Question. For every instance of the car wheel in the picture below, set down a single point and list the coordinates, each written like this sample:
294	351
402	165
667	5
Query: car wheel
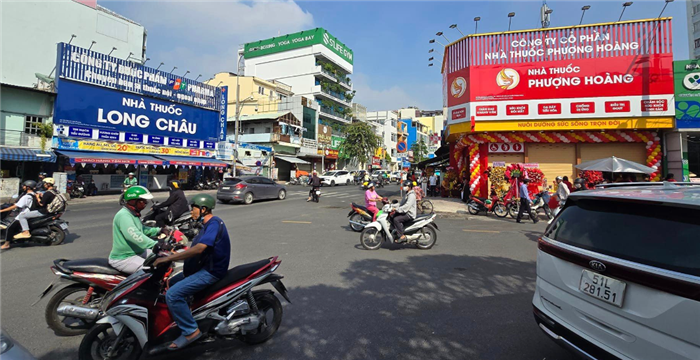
248	198
347	182
282	195
332	182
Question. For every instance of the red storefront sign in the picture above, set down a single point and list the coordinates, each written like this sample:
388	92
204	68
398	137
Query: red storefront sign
521	109
459	113
587	107
376	161
487	110
458	90
654	105
617	106
548	109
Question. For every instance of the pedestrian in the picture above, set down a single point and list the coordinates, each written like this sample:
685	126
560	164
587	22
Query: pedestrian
424	183
669	178
433	184
562	191
466	191
568	183
525	203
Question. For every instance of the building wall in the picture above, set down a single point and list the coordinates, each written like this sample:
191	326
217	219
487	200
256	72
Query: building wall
31	30
693	16
389	129
253	102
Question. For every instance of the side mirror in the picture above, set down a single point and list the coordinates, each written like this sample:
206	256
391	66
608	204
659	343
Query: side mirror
394	201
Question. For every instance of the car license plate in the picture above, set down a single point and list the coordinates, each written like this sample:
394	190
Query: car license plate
226	188
63	226
602	287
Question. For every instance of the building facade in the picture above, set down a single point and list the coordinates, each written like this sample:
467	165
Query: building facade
387	120
501	107
28	91
693	16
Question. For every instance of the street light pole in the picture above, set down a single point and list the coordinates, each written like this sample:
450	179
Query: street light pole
454	26
476	24
583	9
236	124
624	6
510	19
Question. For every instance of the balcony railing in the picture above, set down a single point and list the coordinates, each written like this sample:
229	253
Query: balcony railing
270	138
328	111
19	138
337	96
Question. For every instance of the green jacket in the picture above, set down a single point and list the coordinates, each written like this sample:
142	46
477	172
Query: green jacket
129	236
131	182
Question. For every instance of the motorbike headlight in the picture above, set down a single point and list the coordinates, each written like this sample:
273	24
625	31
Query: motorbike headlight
5	344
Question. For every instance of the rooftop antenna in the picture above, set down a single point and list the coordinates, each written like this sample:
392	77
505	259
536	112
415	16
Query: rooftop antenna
545	13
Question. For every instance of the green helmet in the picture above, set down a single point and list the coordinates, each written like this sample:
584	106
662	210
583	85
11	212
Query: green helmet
137	192
203	200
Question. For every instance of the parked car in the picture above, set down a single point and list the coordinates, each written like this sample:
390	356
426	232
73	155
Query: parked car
377	173
395	176
336	177
618	274
247	189
11	350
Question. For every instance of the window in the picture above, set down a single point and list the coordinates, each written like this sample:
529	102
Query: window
696	9
247	153
696	26
631	231
697	43
393	137
393	123
267	181
272	95
251	130
253	181
281	97
393	152
268	130
261	90
32	124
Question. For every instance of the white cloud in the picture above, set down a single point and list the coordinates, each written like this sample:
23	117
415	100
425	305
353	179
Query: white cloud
203	37
424	96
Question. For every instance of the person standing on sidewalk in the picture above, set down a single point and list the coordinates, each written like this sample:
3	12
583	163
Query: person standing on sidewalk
562	191
525	202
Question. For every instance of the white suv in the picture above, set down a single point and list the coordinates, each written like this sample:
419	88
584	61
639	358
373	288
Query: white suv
336	177
618	273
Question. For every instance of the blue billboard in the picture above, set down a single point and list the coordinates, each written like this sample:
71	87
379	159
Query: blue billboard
79	64
111	111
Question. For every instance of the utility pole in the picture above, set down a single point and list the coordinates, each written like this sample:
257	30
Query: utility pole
238	114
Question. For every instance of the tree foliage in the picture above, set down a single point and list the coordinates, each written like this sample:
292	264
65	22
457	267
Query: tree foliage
360	141
420	151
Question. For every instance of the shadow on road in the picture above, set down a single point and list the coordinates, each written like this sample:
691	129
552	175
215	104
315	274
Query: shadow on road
441	307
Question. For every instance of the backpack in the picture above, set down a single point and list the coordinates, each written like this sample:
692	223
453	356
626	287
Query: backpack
58	204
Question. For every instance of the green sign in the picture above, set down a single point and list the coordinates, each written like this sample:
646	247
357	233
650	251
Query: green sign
335	142
686	77
296	41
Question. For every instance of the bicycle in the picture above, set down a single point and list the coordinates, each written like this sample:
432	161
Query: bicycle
425	206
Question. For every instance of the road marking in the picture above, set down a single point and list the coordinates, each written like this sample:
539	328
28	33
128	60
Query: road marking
296	222
481	231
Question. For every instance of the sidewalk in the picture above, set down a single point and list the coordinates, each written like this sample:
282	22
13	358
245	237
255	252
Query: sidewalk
448	205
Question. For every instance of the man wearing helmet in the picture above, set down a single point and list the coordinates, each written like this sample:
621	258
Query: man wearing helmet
39	188
130	180
131	242
175	206
315	183
406	211
206	262
27	203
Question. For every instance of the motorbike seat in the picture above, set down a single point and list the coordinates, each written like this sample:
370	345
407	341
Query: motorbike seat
40	219
360	207
183	217
482	199
418	218
92	265
232	276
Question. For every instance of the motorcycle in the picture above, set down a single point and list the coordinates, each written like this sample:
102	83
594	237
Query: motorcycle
360	216
47	229
421	232
122	202
77	190
74	309
479	204
538	203
315	194
137	318
184	223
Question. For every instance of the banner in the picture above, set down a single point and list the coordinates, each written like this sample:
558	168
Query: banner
103	146
111	110
79	64
324	134
687	89
298	40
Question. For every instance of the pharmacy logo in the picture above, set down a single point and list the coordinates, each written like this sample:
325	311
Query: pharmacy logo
458	87
508	79
178	84
692	81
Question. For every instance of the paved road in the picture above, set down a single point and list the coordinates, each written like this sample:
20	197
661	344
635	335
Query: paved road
467	298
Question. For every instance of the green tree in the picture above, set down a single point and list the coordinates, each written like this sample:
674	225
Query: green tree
46	132
420	151
360	141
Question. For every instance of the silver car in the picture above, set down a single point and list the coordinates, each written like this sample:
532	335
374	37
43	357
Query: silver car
11	350
248	189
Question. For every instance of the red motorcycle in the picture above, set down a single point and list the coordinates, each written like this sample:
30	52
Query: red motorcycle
479	204
136	316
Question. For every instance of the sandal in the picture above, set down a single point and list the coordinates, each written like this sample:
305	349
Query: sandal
400	240
182	342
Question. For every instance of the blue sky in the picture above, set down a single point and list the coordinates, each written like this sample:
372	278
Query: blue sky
389	39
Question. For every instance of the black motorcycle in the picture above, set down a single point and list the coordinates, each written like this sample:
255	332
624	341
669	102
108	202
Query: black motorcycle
77	190
48	229
184	223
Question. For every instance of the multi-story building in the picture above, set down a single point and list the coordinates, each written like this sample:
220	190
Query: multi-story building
693	16
28	70
359	112
387	121
434	124
314	63
257	95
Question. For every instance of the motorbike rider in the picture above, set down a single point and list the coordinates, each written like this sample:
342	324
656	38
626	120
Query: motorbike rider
131	242
26	203
130	180
207	262
525	203
406	211
371	197
175	206
39	188
315	183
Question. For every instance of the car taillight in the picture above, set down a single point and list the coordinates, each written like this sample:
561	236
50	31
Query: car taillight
240	186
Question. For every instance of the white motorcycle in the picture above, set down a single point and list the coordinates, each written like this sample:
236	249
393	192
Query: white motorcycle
421	232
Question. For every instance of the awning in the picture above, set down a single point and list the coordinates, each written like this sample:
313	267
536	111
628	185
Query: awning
94	157
23	154
192	161
291	159
436	161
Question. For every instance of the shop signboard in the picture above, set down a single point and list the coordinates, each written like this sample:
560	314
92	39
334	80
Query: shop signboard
113	111
82	65
506	148
686	76
336	141
114	147
318	36
595	71
324	134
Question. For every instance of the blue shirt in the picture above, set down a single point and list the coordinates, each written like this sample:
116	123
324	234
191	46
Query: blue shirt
215	259
524	194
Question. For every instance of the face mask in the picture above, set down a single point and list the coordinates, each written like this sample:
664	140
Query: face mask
405	188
